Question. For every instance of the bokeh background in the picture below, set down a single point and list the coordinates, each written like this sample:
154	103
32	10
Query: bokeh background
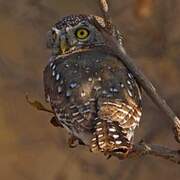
30	148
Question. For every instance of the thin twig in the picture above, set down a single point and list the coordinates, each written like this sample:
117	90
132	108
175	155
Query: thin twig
140	77
38	105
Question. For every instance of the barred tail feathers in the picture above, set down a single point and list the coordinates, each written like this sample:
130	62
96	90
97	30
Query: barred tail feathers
115	127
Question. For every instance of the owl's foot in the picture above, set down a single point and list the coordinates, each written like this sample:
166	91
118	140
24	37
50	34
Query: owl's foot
55	122
73	142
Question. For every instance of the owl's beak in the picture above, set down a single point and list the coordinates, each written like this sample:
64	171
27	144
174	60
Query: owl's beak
64	46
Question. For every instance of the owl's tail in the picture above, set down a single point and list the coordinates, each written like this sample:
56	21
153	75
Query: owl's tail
109	137
114	130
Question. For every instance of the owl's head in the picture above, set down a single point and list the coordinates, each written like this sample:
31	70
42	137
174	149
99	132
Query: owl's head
76	33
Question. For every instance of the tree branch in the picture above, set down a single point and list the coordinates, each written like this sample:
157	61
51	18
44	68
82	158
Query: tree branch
142	149
138	150
140	77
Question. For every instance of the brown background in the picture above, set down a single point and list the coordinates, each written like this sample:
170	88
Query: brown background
30	148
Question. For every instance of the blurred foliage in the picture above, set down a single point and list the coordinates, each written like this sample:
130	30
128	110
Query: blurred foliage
30	147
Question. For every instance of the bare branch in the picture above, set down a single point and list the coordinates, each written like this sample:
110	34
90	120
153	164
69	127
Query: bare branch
142	149
140	77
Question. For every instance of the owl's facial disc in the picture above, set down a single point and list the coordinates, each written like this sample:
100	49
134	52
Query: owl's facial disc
74	39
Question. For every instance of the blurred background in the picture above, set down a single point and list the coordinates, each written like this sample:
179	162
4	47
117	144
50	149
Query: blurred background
30	148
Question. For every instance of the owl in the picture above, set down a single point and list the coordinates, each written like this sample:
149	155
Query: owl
92	94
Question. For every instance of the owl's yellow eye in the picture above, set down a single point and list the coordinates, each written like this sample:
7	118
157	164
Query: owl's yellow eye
82	33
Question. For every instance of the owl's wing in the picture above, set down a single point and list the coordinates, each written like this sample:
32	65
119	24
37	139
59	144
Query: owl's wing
118	116
67	94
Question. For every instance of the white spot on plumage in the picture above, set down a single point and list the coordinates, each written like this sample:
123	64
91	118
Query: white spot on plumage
118	142
86	111
54	67
115	136
75	114
80	120
101	143
122	85
99	79
97	60
128	82
104	92
68	93
137	119
90	79
51	64
48	98
130	75
73	84
93	145
112	129
99	123
87	103
112	142
67	65
53	73
113	90
100	135
83	94
92	100
57	77
72	107
139	112
59	89
97	88
99	129
93	139
130	93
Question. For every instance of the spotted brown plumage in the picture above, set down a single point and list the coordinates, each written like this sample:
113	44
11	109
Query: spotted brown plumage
91	92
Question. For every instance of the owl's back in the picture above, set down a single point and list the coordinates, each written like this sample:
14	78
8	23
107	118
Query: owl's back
90	88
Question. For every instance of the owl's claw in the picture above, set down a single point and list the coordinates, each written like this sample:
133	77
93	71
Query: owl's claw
71	142
55	122
108	156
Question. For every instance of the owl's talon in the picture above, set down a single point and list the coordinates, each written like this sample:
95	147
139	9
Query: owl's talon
71	142
81	143
108	157
55	122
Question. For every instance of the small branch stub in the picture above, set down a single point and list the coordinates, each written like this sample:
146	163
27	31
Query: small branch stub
104	5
